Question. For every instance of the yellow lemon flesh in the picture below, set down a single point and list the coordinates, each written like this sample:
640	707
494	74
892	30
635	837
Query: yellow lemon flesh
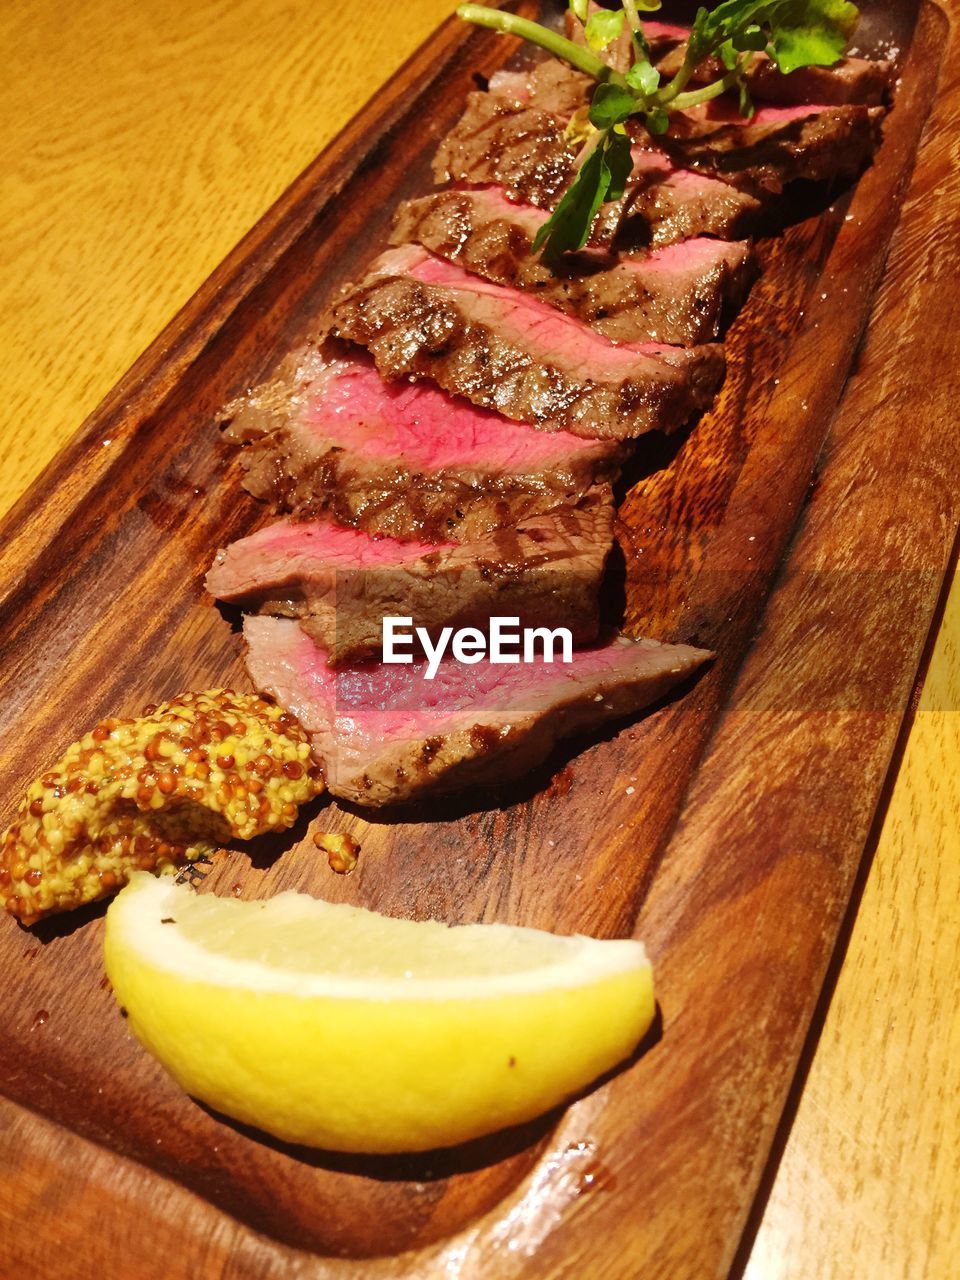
339	1028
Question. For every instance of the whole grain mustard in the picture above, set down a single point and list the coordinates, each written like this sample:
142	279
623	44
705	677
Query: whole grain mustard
153	792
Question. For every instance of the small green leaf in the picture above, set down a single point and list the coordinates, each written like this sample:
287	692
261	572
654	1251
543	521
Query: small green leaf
799	33
657	121
569	225
811	32
750	39
603	27
648	6
603	176
619	161
701	39
580	9
610	105
728	54
644	77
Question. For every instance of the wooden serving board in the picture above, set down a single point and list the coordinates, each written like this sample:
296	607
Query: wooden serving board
802	530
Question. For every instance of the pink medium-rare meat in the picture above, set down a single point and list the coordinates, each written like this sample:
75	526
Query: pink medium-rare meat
342	583
385	734
423	317
678	294
402	458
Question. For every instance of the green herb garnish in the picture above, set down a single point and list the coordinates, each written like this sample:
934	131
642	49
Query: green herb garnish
793	33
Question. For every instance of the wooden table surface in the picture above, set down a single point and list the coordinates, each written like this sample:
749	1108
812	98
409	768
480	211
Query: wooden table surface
141	140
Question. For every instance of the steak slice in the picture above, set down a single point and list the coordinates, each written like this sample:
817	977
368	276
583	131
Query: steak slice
504	140
402	458
778	145
550	85
851	80
385	734
507	351
669	204
514	136
343	583
675	295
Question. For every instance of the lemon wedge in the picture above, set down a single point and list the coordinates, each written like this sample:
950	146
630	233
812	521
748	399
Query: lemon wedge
336	1027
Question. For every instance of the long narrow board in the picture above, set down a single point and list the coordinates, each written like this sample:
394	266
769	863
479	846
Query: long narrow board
726	827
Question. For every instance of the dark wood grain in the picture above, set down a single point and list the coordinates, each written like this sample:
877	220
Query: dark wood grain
740	899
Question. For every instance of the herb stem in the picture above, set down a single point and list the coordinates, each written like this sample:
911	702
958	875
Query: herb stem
633	17
670	92
509	24
695	96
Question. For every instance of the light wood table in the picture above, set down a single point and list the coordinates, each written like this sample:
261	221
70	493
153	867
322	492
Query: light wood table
141	140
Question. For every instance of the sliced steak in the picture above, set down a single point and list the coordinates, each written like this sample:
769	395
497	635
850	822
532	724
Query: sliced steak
504	140
550	85
507	351
509	140
343	583
669	204
680	294
402	458
384	733
515	137
778	145
480	229
675	295
851	80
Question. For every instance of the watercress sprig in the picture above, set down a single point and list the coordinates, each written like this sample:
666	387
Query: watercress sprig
792	33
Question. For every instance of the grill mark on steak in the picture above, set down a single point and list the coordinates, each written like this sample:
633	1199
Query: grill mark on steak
780	144
423	317
514	136
327	434
677	295
520	148
342	584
